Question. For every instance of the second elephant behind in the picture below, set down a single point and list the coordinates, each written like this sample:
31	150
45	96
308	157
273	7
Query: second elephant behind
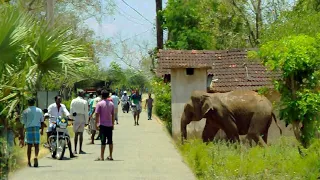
239	112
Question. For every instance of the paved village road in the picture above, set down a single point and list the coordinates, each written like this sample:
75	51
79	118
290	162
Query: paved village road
140	152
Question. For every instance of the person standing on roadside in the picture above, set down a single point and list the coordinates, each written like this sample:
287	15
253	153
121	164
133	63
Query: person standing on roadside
32	119
149	103
116	102
79	111
105	122
93	116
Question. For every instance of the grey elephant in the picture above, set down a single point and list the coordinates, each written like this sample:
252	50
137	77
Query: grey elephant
239	112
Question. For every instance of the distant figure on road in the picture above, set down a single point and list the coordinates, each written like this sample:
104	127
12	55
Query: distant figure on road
93	116
125	102
90	98
105	122
90	103
79	111
136	106
116	102
32	119
149	103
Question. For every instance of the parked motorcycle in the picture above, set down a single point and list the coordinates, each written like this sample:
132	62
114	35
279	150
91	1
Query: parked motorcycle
59	138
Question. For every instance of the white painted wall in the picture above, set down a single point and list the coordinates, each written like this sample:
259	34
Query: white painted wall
181	87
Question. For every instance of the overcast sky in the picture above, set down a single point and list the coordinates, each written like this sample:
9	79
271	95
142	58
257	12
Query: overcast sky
126	23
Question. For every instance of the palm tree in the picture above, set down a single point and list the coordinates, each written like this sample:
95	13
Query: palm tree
32	51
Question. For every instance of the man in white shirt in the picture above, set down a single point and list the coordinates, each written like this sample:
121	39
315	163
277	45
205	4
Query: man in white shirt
93	115
79	111
57	109
124	100
116	102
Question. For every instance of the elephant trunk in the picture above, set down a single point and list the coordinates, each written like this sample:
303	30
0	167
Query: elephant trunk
184	123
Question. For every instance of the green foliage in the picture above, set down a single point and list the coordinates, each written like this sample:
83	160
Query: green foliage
183	21
203	24
162	94
126	78
229	161
292	23
298	57
263	90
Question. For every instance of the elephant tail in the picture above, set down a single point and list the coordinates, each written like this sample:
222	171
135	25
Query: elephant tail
275	120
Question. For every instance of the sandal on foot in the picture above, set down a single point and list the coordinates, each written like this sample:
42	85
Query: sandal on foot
35	162
109	159
99	159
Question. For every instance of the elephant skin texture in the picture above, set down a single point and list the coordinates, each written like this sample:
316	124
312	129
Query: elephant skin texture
239	112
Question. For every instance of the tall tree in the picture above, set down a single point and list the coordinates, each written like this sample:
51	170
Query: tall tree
203	24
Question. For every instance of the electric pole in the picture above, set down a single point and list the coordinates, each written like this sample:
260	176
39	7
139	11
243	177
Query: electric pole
159	25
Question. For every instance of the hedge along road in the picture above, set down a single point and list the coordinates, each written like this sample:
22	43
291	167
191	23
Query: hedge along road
140	152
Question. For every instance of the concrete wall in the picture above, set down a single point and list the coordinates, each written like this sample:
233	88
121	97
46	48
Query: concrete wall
181	87
45	98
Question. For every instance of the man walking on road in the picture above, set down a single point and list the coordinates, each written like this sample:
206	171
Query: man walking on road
79	111
149	103
32	119
136	106
105	123
93	116
116	102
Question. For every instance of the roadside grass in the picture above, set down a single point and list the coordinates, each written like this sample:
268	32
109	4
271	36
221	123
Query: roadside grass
20	159
281	160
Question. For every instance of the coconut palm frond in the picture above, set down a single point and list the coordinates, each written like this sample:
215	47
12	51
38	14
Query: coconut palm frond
10	96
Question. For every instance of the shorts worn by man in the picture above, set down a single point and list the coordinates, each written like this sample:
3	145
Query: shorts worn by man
32	119
105	121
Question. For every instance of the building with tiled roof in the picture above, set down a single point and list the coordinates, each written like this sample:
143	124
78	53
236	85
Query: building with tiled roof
230	69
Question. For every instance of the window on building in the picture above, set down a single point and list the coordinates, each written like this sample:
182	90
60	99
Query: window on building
190	71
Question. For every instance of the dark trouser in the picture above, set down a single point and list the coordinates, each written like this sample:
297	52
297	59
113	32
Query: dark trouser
149	112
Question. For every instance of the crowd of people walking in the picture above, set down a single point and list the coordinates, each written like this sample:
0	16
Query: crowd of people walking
99	112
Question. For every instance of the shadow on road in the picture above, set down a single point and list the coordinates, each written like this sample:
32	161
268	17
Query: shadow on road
64	158
44	166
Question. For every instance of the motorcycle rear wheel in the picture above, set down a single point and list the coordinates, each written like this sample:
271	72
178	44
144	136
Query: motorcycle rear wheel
61	149
53	154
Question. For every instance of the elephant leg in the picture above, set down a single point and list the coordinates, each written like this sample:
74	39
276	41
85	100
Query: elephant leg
209	133
256	138
259	125
231	130
265	137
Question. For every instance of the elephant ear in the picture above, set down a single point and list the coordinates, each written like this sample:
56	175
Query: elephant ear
207	104
197	99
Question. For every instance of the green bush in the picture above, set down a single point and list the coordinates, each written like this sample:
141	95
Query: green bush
8	158
162	94
282	160
67	103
